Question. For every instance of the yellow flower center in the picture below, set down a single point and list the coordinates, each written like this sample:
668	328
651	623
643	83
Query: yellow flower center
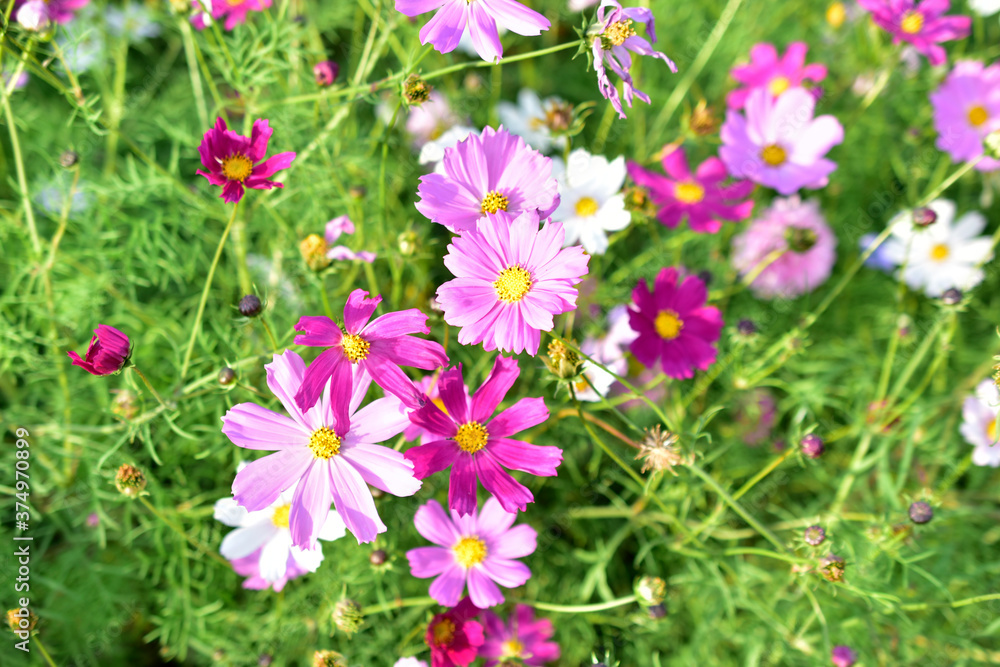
443	631
586	207
493	202
237	167
616	33
778	85
689	193
940	252
470	551
324	443
512	284
511	649
912	22
991	430
668	324
235	3
355	347
977	116
774	155
471	437
836	14
280	516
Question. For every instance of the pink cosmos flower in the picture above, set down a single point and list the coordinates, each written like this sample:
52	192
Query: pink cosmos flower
495	171
778	143
56	11
766	70
979	424
232	160
614	40
478	447
794	242
701	197
107	353
431	119
478	550
235	11
453	637
334	229
919	24
482	17
674	325
966	110
325	72
522	638
330	458
376	348
510	279
431	388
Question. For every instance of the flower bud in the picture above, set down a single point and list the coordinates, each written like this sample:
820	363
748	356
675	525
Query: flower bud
561	361
746	328
703	120
347	616
125	404
313	249
264	660
407	241
924	217
992	143
357	191
812	445
68	159
843	656
227	376
814	536
326	73
328	659
21	619
657	611
378	557
800	239
951	297
832	567
416	90
250	306
921	512
93	520
650	591
130	481
637	199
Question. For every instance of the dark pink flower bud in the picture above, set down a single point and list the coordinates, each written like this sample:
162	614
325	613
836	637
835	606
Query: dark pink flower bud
326	73
812	446
107	354
843	656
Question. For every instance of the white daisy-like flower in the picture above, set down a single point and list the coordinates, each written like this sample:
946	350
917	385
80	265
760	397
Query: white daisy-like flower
590	205
410	662
945	254
432	153
600	379
535	119
979	424
985	7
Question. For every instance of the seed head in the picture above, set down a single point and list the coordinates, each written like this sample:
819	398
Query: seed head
328	659
347	616
814	536
561	361
650	591
416	90
703	120
313	249
659	450
812	445
125	404
21	619
130	481
250	306
832	567
921	512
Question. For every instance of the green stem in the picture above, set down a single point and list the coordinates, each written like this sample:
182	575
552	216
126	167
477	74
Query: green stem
270	334
180	531
398	604
582	608
192	62
954	605
22	180
749	518
149	386
45	653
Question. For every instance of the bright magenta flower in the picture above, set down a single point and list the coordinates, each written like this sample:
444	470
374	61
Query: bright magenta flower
521	637
766	70
920	24
235	11
107	353
234	162
454	637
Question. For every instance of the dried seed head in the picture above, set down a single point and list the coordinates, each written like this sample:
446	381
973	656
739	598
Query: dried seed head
125	404
703	120
328	659
562	361
416	90
832	567
68	159
130	481
814	536
659	450
650	591
347	616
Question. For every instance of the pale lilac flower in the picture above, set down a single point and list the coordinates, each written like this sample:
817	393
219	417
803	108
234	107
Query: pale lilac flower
967	110
879	259
430	120
778	143
432	153
478	550
33	15
133	21
919	23
40	12
590	200
767	70
520	638
580	5
538	121
793	243
600	379
336	227
979	424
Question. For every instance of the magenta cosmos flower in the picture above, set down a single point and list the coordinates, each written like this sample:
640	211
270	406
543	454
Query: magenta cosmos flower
793	244
475	550
478	447
966	110
232	160
376	348
520	638
674	325
919	24
700	197
330	458
482	17
495	171
510	279
107	353
778	143
777	75
614	40
454	637
235	11
57	11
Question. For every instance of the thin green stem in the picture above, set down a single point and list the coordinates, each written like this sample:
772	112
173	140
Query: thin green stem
732	502
398	604
145	380
582	608
919	606
22	179
270	334
45	653
180	531
192	62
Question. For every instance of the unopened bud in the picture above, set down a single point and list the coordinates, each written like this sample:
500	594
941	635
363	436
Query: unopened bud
657	611
378	557
407	241
125	404
416	90
130	481
832	567
227	376
326	73
328	659
313	249
347	616
637	199
561	361
952	297
746	328
250	306
814	536
812	446
264	660
68	159
650	591
992	143
843	656
924	217
357	191
921	512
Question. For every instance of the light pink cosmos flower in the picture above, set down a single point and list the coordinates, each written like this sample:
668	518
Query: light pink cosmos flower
478	550
700	197
477	445
520	638
330	459
376	348
56	11
920	24
511	278
795	245
777	75
979	424
430	120
495	171
613	41
778	143
234	161
482	18
235	11
967	110
334	229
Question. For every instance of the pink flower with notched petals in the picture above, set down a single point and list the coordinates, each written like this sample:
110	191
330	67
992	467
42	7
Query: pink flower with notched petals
235	11
475	550
778	143
674	325
967	110
777	75
107	353
495	171
234	162
377	348
331	459
57	11
477	445
454	637
701	197
510	279
521	638
919	24
482	17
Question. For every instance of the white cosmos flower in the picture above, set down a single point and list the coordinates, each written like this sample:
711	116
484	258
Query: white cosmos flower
979	424
985	7
432	152
946	254
533	118
590	204
600	379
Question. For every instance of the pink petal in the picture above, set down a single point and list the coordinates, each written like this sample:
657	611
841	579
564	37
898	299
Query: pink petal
445	28
252	427
518	542
310	505
512	495
516	17
517	455
462	490
451	389
507	573
284	377
447	588
434	525
358	310
354	502
384	468
524	414
259	136
483	592
396	324
429	561
488	396
317	331
261	482
417	7
432	457
493	521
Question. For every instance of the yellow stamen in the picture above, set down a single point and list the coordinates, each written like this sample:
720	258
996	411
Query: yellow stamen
616	33
991	431
237	167
689	193
511	649
774	155
977	116
443	631
324	443
668	324
471	437
836	14
493	202
512	284
912	22
778	85
940	252
586	207
470	551
280	516
355	347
